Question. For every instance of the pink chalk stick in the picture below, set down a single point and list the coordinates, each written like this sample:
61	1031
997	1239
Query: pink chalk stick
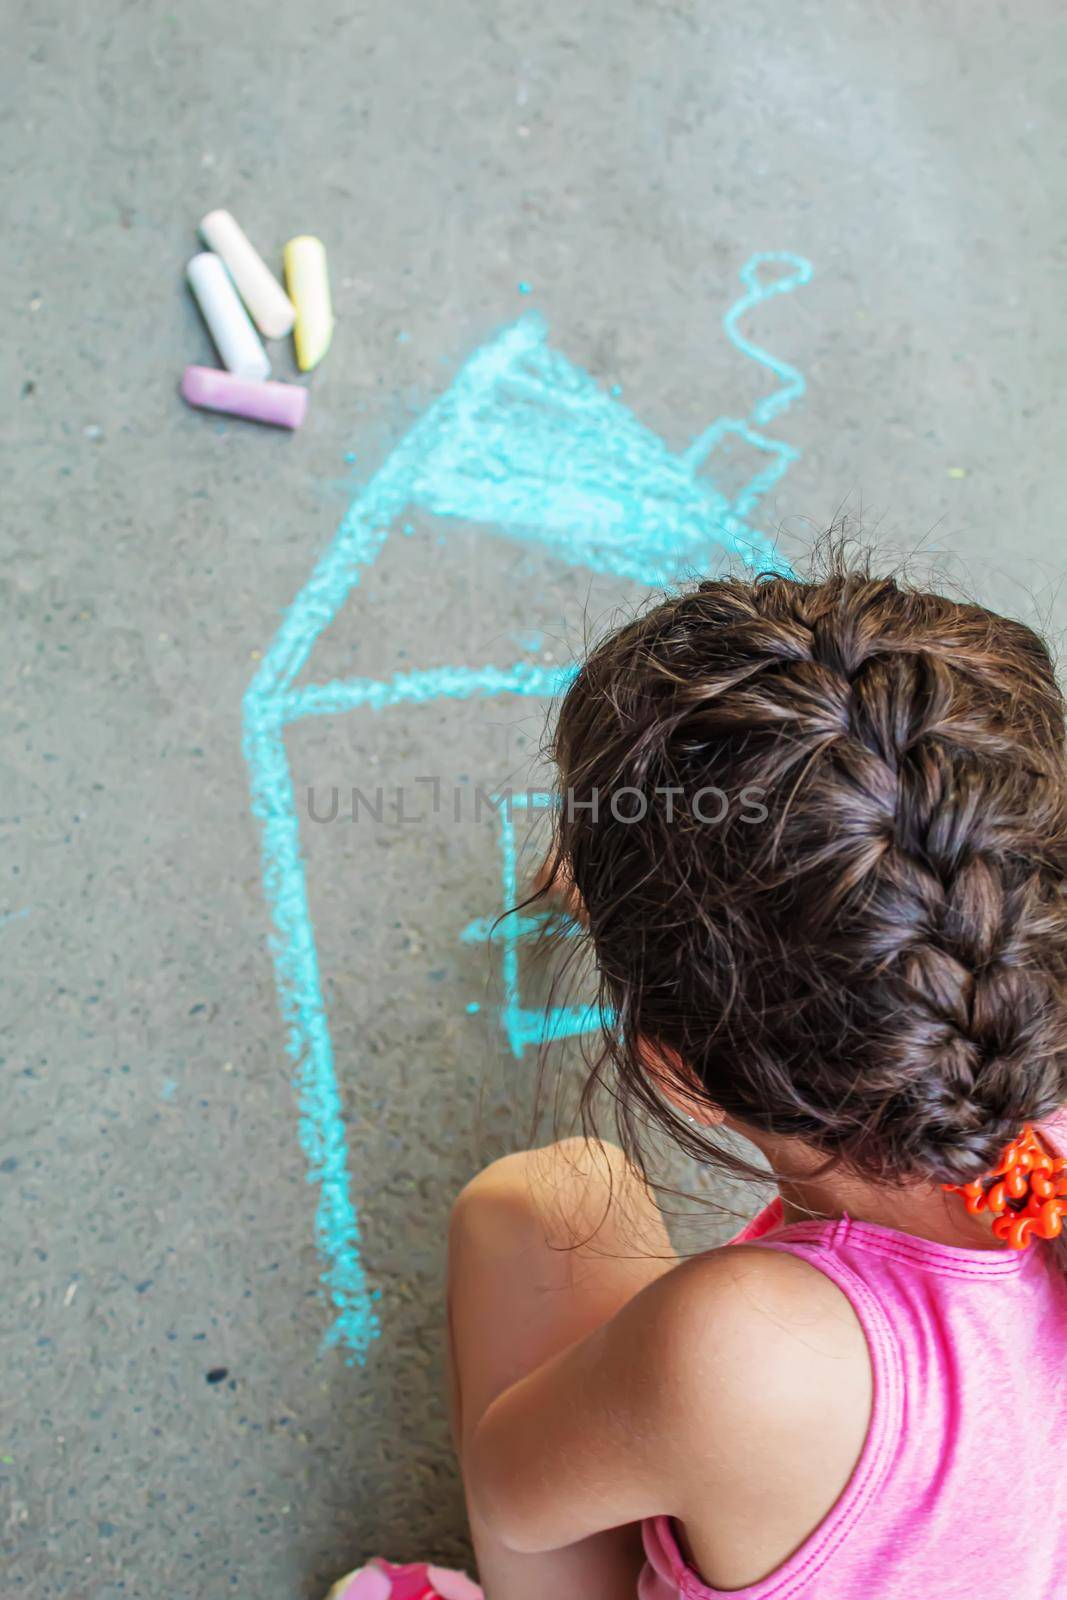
369	1583
452	1585
284	404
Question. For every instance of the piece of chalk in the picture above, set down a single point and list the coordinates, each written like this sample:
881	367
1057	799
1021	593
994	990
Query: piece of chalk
236	341
453	1585
270	307
284	404
308	283
366	1583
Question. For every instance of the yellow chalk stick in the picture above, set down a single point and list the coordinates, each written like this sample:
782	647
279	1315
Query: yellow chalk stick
309	289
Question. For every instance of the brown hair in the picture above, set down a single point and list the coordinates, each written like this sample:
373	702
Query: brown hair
877	965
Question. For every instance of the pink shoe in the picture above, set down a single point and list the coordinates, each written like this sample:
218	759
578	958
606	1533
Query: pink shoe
380	1580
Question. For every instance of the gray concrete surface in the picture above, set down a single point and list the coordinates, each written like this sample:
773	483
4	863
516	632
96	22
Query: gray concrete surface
623	159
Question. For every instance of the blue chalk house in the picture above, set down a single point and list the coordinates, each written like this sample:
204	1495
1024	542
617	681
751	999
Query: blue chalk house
530	448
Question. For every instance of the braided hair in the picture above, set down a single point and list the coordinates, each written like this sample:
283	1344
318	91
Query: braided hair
861	941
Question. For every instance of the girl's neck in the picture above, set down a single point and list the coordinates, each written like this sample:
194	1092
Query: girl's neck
922	1209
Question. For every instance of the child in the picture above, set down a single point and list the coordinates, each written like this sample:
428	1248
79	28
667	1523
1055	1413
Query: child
817	833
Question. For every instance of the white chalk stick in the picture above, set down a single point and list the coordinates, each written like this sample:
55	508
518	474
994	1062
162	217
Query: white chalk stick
269	305
236	341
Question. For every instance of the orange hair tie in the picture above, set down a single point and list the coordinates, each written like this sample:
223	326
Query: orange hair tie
1026	1192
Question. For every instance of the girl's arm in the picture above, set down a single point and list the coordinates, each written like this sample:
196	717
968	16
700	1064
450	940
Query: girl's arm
733	1391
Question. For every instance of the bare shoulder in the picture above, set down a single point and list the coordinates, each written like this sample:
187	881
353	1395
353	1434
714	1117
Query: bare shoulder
765	1385
752	1320
758	1292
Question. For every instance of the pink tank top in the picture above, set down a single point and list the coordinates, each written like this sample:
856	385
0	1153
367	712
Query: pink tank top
960	1492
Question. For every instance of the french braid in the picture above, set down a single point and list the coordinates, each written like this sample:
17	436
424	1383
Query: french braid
877	966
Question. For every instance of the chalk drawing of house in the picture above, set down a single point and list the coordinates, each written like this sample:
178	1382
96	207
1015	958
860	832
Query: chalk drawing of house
530	448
